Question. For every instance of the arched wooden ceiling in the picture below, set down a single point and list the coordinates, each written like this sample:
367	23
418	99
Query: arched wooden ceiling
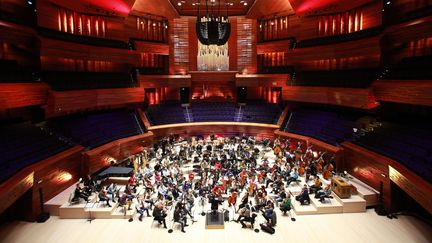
175	8
235	8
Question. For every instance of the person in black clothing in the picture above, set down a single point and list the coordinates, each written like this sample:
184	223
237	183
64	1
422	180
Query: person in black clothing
79	193
251	220
179	216
159	214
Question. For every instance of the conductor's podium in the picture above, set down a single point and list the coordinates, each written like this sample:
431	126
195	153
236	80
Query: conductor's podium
341	187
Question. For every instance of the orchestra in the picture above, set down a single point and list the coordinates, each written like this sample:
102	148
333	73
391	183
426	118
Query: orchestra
175	171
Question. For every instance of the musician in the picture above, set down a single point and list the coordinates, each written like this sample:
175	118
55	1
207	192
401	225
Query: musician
104	197
282	195
294	176
179	216
251	220
244	201
113	190
324	193
286	204
124	201
268	213
260	201
159	214
303	197
79	193
141	207
316	186
214	201
244	212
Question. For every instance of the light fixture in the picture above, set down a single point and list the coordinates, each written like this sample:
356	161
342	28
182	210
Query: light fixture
213	28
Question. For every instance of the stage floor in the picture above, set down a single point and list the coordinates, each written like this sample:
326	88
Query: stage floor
354	227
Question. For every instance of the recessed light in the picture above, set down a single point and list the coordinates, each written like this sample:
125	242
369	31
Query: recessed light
179	3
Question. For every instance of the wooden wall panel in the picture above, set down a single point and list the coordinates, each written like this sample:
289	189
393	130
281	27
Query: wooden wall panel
413	185
12	189
117	150
179	45
355	98
372	168
246	45
274	46
193	45
411	38
62	49
152	47
53	175
368	48
233	45
416	92
262	80
19	44
220	128
14	95
61	103
400	8
159	81
56	174
48	18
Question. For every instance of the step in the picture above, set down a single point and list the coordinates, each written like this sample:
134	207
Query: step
329	205
354	204
303	209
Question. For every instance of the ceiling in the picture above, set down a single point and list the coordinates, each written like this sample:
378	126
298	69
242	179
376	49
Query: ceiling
266	8
249	8
190	7
315	7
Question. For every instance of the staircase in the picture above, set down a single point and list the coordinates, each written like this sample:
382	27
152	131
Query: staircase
188	114
238	114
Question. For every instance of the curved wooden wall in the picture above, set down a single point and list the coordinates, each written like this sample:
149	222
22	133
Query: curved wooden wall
416	92
15	95
372	168
65	102
355	98
220	128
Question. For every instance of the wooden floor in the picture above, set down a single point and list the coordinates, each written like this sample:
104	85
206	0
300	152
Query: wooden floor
353	227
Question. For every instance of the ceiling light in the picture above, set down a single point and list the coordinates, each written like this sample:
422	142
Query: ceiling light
179	3
245	3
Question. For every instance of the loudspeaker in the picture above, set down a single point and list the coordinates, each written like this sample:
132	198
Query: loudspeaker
43	216
379	208
184	94
241	94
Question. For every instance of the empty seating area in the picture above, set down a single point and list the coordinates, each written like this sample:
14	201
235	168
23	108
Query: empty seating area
330	127
409	144
261	112
213	111
10	72
93	130
167	112
355	78
64	81
411	68
24	144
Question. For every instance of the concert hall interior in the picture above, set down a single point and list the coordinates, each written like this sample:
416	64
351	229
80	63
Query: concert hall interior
215	120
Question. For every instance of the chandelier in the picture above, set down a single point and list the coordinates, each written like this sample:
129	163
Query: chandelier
213	28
